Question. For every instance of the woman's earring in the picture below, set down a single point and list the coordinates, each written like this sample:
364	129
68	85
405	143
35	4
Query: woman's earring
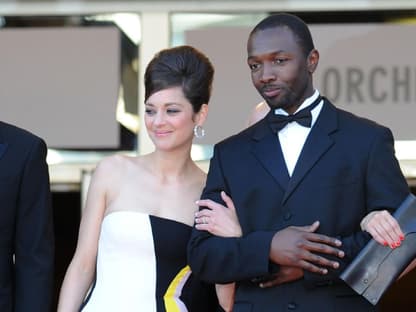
199	132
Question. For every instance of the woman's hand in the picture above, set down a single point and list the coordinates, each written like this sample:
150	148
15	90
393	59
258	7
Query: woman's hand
218	219
383	227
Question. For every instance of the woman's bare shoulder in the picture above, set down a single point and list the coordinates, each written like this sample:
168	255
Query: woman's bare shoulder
111	163
114	167
258	113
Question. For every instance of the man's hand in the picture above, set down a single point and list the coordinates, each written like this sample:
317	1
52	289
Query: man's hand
285	274
296	247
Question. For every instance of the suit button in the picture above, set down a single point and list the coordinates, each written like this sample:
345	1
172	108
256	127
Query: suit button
287	215
292	306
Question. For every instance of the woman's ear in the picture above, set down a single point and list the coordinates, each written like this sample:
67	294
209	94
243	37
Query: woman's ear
202	115
313	60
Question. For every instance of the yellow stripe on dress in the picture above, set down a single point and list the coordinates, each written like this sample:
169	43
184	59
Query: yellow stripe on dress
172	301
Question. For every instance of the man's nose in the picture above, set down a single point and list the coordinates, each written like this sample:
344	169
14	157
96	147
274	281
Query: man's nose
268	73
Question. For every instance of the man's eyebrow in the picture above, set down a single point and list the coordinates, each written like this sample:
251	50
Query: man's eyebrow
274	53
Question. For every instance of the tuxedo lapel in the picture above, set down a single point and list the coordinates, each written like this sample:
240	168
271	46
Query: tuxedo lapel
317	144
266	148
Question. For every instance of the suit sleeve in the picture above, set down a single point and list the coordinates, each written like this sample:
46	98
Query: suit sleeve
34	242
386	188
221	260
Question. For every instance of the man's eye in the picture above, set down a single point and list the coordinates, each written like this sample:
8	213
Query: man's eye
280	60
254	66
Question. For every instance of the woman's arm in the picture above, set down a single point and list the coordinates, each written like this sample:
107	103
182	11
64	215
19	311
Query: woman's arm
409	268
81	271
220	221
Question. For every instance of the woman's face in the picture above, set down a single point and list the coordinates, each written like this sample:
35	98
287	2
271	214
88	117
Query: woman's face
170	119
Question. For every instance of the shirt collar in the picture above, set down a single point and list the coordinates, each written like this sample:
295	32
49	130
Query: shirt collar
306	103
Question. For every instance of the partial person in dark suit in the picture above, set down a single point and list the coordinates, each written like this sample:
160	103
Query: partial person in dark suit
26	223
300	186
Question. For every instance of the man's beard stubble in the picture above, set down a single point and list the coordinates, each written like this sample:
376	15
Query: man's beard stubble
289	100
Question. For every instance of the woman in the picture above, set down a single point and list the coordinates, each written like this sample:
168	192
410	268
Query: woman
140	210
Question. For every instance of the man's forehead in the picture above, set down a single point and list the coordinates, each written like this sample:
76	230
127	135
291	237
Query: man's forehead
271	40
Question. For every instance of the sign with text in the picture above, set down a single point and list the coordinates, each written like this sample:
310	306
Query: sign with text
370	70
367	69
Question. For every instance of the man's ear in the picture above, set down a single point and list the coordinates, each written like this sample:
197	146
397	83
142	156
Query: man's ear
313	60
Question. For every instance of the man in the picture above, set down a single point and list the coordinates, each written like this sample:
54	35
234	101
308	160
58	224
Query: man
26	228
283	175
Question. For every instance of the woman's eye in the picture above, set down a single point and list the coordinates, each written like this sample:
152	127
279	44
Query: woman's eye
149	111
173	111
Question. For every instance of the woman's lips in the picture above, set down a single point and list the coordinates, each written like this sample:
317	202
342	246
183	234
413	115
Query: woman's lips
162	133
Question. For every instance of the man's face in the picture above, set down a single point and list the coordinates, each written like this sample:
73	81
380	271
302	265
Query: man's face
279	68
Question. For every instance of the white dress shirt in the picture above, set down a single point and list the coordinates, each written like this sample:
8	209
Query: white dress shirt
293	136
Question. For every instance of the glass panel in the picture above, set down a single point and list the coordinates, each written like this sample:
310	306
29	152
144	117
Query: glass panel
78	75
182	22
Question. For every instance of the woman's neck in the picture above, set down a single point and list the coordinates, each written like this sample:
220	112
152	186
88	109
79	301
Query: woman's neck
172	165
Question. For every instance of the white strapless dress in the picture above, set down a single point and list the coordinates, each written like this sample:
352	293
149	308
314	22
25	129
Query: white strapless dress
141	266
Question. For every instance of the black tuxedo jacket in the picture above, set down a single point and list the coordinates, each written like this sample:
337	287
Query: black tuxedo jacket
346	169
26	228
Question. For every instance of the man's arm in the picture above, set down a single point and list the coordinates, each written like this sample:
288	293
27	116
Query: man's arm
34	240
226	259
222	260
386	188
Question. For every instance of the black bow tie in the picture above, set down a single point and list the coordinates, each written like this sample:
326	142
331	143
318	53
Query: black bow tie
302	117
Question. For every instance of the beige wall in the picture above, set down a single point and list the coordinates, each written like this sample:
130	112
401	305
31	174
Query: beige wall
62	84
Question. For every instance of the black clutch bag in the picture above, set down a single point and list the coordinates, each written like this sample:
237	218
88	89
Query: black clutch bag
376	267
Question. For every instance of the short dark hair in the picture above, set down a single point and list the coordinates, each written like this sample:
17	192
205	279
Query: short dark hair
182	66
294	23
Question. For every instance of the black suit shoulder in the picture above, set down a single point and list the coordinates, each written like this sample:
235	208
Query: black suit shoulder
19	139
359	121
360	127
241	138
12	132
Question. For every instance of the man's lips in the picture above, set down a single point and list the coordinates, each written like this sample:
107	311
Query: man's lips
271	92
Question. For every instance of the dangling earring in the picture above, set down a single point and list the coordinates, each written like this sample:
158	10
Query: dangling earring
199	132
